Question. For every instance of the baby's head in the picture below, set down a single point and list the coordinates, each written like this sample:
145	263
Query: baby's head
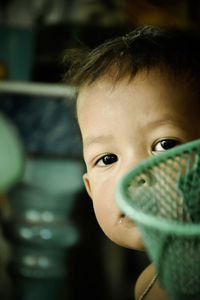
137	96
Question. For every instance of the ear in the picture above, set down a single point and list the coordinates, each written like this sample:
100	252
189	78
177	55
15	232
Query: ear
87	184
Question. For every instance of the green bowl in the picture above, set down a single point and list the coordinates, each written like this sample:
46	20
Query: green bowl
11	155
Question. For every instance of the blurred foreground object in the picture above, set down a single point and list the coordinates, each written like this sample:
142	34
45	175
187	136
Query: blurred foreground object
11	155
11	169
162	196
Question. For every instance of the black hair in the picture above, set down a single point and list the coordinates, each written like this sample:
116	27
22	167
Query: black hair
143	48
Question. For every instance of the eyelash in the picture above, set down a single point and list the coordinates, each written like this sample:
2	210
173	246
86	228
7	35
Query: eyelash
173	143
111	156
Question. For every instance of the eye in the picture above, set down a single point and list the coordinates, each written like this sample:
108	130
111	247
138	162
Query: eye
107	159
165	145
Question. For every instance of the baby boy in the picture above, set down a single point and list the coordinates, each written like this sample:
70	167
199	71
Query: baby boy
138	96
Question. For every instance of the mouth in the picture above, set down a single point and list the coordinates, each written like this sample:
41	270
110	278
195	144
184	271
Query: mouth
125	221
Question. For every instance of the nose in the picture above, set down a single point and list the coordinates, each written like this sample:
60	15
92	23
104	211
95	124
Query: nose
131	161
133	158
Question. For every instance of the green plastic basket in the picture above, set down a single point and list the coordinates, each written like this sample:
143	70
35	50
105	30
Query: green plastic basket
162	196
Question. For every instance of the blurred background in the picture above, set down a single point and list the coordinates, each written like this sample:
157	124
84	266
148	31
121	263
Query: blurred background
51	246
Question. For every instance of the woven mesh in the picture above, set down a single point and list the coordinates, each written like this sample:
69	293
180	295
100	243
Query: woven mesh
162	196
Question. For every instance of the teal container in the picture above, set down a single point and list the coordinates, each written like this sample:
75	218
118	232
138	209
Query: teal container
16	52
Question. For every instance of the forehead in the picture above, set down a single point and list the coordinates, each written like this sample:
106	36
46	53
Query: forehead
105	107
156	80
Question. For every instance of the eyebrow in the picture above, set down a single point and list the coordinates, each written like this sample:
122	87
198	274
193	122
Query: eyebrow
166	119
91	140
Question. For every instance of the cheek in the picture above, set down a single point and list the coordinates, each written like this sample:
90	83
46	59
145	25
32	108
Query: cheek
108	216
106	209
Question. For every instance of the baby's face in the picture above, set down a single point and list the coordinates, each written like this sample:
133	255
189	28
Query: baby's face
123	124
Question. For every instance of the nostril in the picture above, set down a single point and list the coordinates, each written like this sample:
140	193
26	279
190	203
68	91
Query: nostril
145	179
141	181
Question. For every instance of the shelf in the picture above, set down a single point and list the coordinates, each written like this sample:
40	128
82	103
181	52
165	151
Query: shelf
52	90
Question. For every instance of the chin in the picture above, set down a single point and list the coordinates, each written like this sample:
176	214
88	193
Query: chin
131	241
136	245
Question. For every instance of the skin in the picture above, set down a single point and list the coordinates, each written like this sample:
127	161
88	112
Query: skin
122	124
